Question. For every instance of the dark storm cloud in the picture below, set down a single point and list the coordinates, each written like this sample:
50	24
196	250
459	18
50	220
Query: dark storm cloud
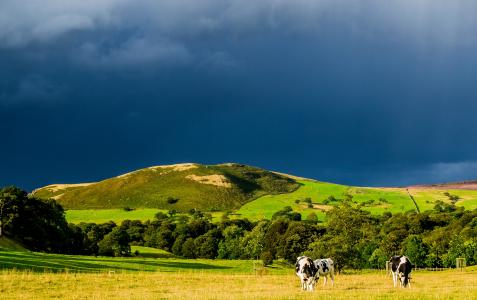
359	92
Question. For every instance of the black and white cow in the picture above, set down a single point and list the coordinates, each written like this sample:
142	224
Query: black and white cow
307	271
401	268
326	267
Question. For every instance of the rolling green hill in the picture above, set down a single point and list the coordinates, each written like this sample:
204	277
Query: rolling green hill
180	187
246	191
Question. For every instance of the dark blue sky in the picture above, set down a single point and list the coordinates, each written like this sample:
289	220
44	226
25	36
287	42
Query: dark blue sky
355	92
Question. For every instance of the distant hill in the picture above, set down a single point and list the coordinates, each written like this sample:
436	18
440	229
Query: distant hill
462	185
180	187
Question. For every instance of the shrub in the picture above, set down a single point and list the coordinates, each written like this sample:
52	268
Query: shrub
312	217
172	200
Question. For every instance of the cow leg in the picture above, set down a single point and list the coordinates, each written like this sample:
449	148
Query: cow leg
332	276
395	279
325	279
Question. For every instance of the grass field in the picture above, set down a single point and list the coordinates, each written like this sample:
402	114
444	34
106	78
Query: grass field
99	216
26	275
154	260
106	215
186	285
425	197
266	206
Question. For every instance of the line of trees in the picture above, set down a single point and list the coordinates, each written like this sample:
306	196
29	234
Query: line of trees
351	236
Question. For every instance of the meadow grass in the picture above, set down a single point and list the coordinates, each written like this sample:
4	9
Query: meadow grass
29	275
16	284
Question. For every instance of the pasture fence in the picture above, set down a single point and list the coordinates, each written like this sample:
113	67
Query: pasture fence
460	263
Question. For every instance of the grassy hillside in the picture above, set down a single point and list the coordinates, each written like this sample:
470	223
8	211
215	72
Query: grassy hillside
375	200
180	187
9	244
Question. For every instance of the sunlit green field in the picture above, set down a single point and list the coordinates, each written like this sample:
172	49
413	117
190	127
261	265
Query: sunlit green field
266	206
118	215
425	197
26	275
106	215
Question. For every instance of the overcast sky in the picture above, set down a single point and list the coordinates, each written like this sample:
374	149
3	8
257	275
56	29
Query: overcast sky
357	92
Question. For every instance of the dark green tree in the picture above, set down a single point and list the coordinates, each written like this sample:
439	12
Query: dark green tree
115	243
9	201
416	250
229	247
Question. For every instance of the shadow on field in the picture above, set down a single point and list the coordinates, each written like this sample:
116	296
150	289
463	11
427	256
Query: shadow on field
39	262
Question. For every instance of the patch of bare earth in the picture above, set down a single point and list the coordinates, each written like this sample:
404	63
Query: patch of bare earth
58	187
165	169
217	180
322	207
61	187
176	167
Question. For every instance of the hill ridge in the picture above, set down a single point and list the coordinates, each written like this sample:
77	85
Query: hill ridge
458	185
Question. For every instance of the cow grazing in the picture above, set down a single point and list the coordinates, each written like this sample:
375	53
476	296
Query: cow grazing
326	267
307	272
401	268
